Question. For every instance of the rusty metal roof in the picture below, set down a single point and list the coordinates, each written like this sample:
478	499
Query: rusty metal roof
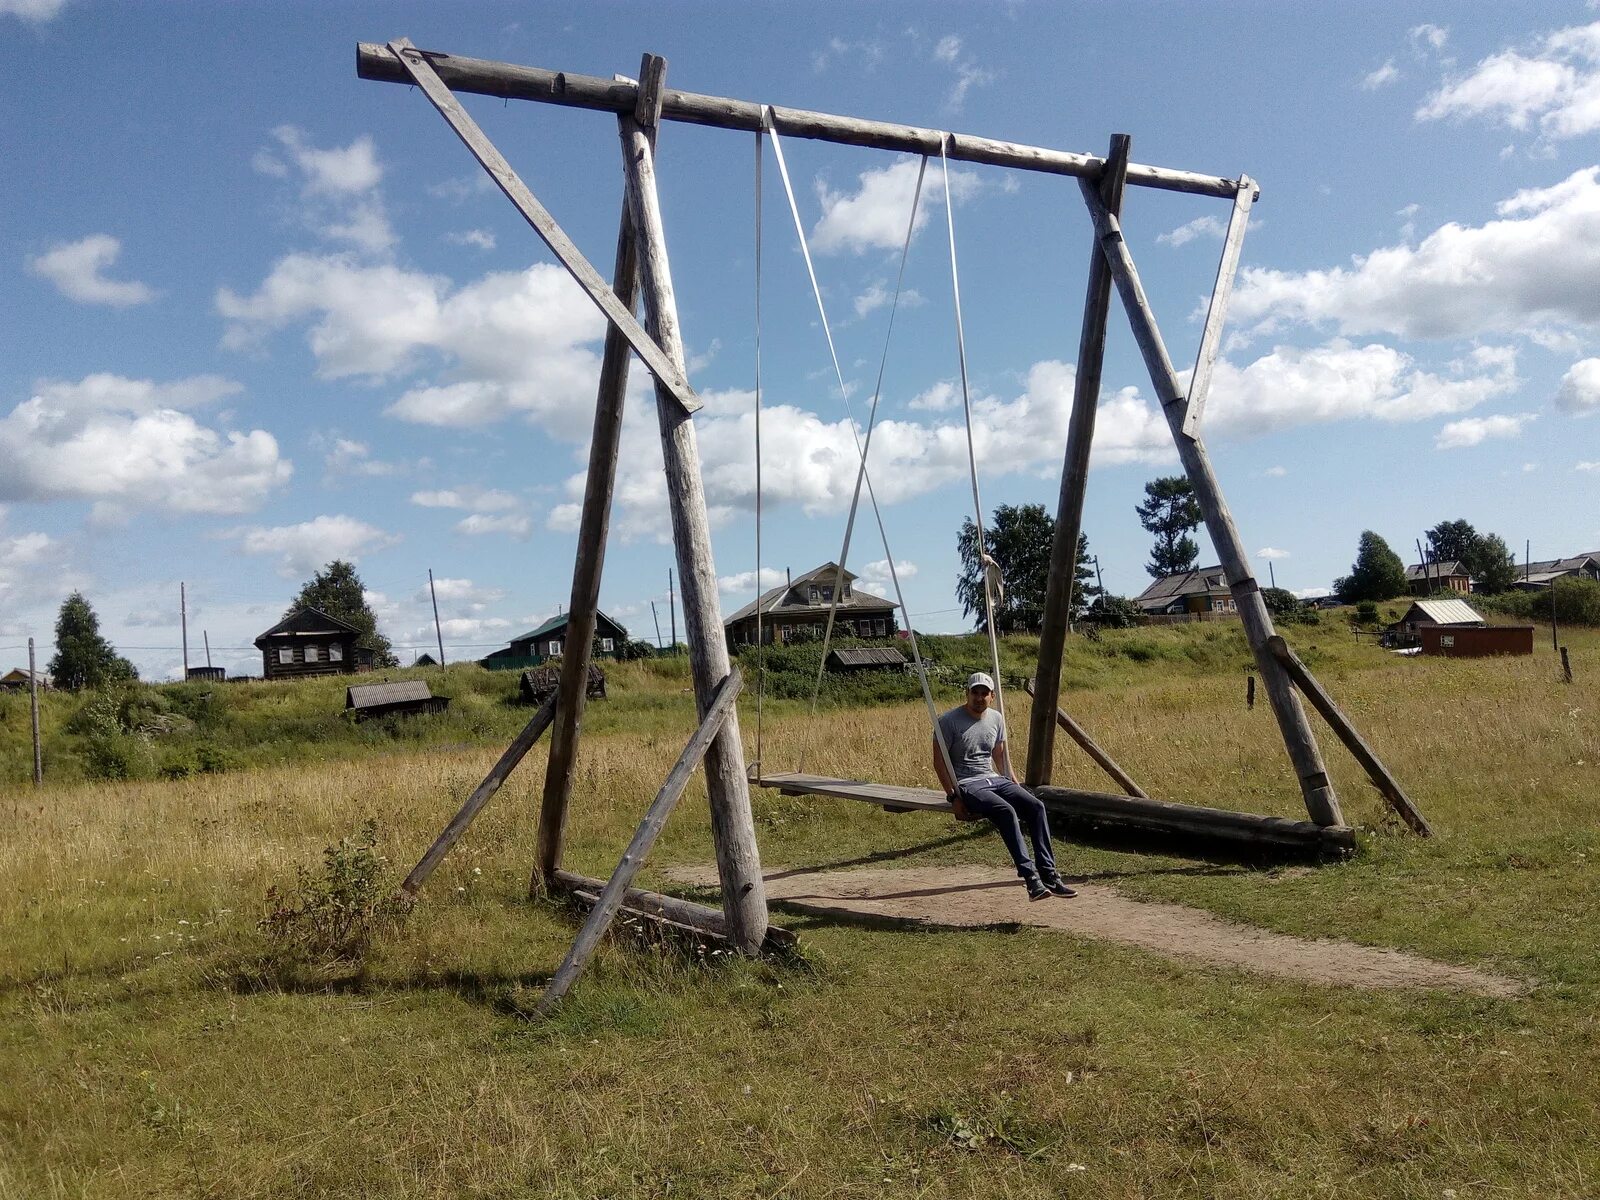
373	695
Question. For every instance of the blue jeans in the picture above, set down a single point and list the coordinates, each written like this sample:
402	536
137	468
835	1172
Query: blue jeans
1008	806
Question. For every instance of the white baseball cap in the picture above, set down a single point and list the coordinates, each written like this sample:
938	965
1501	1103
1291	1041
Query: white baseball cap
979	679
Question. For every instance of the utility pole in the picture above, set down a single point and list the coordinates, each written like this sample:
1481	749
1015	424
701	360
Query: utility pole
657	619
437	631
1099	579
1422	561
1272	576
183	617
206	634
672	602
33	706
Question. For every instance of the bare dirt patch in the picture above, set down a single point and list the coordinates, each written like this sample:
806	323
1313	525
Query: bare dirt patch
974	897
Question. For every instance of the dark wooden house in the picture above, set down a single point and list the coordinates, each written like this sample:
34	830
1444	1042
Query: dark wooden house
1424	579
310	642
550	639
1203	590
799	609
204	674
408	698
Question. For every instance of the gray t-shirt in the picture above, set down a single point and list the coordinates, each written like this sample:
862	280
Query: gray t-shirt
971	741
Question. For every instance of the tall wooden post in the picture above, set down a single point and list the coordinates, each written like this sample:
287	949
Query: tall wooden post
33	712
744	899
1074	480
593	524
438	630
183	619
1315	787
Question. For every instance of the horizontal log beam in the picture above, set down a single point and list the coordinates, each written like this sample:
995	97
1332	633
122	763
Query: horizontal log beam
1195	821
668	911
509	81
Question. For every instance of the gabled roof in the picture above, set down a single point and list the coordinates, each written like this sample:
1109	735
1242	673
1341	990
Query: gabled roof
559	621
774	599
20	674
1560	566
1444	612
1435	570
326	625
370	695
867	656
1185	583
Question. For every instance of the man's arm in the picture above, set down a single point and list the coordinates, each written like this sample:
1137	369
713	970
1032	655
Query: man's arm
1002	763
941	769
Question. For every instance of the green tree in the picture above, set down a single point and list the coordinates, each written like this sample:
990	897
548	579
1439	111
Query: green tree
84	659
1492	565
1377	574
1084	588
1452	541
1019	542
1170	511
337	590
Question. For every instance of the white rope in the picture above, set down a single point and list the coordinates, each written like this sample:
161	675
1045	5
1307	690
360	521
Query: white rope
863	477
987	566
761	650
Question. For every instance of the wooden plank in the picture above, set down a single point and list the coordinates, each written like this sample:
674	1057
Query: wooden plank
481	795
1217	314
644	838
1387	785
510	81
1322	803
1061	577
669	375
732	825
593	527
669	911
1091	747
889	796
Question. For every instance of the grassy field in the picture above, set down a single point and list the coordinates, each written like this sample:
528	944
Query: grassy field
155	1045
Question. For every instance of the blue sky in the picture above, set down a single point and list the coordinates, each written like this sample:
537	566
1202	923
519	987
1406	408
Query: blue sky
259	313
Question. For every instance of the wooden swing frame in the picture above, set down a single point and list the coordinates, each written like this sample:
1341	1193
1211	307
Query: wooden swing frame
642	270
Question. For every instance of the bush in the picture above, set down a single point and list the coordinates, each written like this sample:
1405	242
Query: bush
1577	602
635	650
333	915
111	750
1366	613
1113	612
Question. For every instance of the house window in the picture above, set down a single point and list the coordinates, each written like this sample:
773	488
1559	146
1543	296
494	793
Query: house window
285	655
336	652
883	628
606	645
847	591
555	647
815	595
783	633
827	594
311	654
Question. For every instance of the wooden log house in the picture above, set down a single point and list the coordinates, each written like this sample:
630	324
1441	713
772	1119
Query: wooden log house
310	642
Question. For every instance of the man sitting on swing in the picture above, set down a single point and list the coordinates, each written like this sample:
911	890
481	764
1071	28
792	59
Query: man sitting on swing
985	786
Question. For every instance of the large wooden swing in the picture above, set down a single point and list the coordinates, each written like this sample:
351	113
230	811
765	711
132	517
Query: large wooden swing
642	269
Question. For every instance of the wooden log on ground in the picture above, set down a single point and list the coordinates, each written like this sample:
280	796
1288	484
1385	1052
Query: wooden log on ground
1195	821
1091	747
1321	801
655	820
481	795
1217	314
1388	786
593	527
1061	577
669	911
669	375
732	825
510	81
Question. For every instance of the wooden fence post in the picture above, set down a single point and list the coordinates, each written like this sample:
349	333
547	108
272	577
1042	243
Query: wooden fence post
744	896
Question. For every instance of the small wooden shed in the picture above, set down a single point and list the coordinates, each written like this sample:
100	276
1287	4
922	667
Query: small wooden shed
409	698
214	674
1467	641
866	658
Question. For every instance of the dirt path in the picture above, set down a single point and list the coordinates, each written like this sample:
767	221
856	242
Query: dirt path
969	896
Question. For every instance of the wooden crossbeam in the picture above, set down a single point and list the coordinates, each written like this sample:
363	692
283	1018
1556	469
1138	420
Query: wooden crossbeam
421	72
1217	313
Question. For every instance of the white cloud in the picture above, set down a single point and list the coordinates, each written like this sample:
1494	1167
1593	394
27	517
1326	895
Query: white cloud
867	53
514	524
307	547
483	239
877	296
1271	552
745	581
38	11
968	73
1207	226
1555	85
338	187
1473	430
949	46
877	571
1532	269
460	594
1381	77
873	217
30	565
349	457
1313	593
128	444
77	270
1424	38
466	496
1587	466
941	396
1579	392
1276	472
513	343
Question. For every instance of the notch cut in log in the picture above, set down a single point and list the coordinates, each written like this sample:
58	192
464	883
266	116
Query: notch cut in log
1388	786
1092	748
571	90
420	71
655	820
481	795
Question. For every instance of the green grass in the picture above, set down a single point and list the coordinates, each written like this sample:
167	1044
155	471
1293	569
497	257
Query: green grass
148	1054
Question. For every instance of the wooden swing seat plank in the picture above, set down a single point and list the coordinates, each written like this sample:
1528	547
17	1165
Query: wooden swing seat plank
1096	808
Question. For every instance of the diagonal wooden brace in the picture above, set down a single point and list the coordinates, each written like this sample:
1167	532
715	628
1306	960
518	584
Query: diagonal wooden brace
1216	315
473	137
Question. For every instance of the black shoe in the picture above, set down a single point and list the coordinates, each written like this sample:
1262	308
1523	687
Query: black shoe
1036	888
1056	887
